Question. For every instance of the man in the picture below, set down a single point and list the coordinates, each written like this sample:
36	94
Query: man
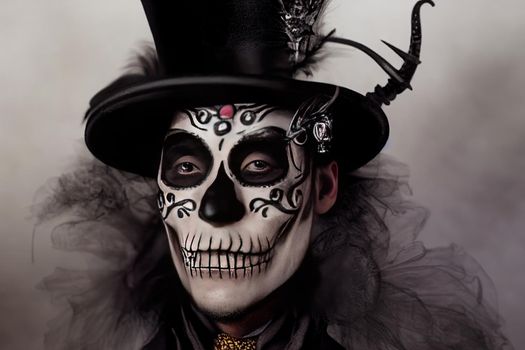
276	243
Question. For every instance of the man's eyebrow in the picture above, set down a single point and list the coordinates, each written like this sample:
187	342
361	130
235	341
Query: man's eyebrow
172	131
180	137
270	132
181	133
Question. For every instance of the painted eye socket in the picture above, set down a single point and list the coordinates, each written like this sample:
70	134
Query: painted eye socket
260	159
186	161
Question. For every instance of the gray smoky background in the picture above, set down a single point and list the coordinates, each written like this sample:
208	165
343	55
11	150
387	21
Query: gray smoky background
461	131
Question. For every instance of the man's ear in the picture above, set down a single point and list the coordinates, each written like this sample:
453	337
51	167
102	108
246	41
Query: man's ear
326	187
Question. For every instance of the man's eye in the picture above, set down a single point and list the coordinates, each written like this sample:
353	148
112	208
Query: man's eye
187	168
186	171
257	166
259	169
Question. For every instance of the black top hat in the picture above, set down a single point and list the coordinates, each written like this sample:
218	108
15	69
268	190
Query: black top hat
233	51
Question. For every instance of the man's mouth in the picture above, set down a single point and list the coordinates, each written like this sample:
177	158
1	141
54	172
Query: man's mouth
224	263
248	258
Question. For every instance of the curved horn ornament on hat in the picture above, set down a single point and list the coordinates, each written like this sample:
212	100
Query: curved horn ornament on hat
399	78
387	93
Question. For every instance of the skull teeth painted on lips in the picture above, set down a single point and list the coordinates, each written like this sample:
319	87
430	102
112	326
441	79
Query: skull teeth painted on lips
226	263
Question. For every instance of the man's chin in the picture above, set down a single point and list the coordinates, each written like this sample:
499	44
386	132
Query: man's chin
224	299
226	303
223	315
225	309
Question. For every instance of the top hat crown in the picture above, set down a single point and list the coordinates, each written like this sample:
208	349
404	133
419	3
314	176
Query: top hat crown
228	37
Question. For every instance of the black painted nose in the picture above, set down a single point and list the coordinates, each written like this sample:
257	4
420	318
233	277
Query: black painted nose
220	204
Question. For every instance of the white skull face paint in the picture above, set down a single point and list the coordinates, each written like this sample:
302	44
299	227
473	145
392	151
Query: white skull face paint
235	197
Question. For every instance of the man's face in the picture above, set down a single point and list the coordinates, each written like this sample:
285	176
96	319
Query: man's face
235	197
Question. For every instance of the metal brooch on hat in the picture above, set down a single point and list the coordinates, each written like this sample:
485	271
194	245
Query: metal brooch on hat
313	119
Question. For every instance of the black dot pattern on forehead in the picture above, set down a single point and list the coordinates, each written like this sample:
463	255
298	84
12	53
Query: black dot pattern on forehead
248	117
204	116
222	128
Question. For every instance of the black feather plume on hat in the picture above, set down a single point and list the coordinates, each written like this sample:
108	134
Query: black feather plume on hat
144	62
302	21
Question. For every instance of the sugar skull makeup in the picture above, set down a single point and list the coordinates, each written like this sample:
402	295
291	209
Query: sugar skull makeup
235	197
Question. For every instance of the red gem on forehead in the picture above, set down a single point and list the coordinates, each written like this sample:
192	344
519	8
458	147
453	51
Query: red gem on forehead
226	112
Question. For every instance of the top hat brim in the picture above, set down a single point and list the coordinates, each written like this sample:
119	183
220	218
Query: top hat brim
126	126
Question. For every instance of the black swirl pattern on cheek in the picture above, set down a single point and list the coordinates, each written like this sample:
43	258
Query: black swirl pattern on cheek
184	207
276	196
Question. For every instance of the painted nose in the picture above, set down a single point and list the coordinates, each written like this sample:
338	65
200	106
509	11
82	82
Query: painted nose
220	204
